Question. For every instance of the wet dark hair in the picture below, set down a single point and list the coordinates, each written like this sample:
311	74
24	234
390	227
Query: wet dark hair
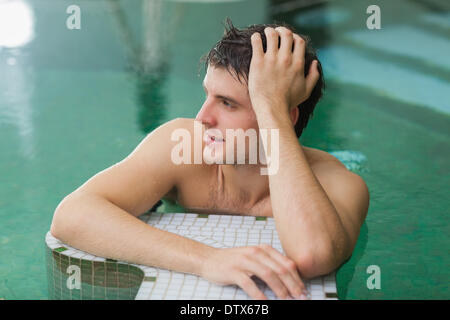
234	52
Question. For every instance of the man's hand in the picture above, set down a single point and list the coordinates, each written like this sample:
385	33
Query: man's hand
237	265
276	77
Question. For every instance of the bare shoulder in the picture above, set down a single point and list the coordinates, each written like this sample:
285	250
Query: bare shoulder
321	159
327	167
165	137
174	143
164	131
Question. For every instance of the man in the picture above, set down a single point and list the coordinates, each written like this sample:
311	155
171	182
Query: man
256	79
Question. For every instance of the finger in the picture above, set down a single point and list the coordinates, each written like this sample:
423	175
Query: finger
257	47
285	275
286	40
287	271
299	50
312	77
285	261
250	287
268	275
272	40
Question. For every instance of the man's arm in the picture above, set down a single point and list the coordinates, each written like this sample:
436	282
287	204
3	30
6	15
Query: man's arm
317	230
100	217
318	221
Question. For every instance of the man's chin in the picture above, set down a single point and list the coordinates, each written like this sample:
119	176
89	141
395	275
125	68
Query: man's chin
212	155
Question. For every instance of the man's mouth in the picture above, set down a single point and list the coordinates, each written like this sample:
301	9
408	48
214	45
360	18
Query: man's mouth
213	139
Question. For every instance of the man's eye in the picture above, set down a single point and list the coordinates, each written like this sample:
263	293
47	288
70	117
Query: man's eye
227	104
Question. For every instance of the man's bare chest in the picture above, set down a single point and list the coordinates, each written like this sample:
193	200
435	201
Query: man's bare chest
202	193
206	197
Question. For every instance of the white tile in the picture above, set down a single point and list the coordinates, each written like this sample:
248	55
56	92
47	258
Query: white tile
215	289
330	287
218	231
147	284
162	281
229	290
100	259
317	295
241	296
213	296
172	294
145	292
157	290
141	297
315	286
177	276
175	285
258	226
157	295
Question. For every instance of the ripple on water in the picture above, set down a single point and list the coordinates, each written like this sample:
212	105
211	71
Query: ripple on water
353	160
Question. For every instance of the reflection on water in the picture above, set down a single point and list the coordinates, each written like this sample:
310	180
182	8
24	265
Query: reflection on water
151	99
16	81
175	34
148	60
16	91
16	24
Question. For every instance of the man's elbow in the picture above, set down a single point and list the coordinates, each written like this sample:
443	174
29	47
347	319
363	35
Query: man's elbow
63	219
312	264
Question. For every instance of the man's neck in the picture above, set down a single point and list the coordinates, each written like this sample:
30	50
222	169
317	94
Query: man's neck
246	179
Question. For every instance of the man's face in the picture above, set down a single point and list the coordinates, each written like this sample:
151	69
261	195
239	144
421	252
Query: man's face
227	106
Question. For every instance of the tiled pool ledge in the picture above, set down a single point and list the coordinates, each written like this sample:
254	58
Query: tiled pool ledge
76	275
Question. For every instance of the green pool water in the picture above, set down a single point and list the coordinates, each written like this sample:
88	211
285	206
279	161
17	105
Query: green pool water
74	102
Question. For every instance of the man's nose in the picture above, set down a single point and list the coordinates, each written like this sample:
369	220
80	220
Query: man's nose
206	115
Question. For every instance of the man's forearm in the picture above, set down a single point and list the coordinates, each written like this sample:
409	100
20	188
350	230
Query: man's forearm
95	225
308	225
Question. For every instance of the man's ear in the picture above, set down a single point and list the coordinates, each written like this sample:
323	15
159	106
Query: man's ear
294	113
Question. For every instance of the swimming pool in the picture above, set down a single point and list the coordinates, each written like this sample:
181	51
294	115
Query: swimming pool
73	102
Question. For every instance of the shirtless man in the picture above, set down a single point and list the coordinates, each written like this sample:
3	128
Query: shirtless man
318	205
